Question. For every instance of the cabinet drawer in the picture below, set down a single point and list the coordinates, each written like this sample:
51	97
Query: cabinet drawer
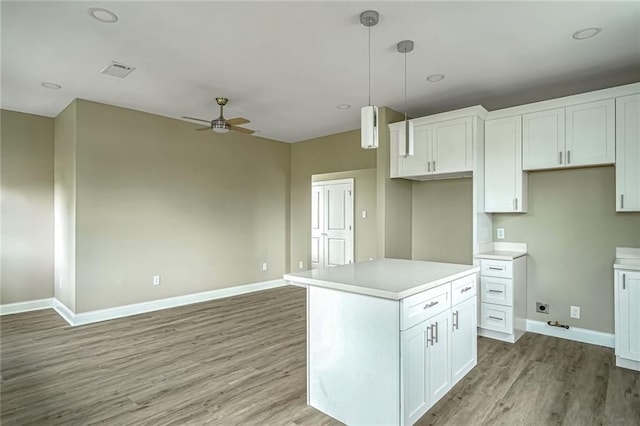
422	306
497	290
496	317
496	268
463	288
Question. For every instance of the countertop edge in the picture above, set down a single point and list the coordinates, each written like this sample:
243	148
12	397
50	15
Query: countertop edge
377	292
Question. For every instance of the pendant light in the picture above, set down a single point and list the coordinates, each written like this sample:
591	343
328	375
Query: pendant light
405	135
369	113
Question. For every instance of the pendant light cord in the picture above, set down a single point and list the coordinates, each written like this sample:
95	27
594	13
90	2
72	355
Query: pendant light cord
369	65
405	85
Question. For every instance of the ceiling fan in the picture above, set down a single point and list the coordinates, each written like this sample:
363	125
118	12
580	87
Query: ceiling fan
221	124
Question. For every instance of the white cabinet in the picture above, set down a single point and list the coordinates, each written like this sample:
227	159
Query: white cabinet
438	343
503	298
628	153
575	136
442	148
464	338
505	182
426	365
627	318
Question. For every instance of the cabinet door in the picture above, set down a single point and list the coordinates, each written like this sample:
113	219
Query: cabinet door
505	182
452	146
543	140
628	315
439	357
591	134
464	339
628	153
417	164
414	355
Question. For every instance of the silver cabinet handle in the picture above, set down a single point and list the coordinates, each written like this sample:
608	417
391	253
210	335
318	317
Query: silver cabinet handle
496	291
434	169
435	334
622	201
495	318
430	305
560	157
624	282
429	339
466	289
455	320
568	157
429	166
493	268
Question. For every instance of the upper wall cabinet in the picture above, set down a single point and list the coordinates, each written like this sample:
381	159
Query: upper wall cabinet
505	186
628	153
575	136
441	149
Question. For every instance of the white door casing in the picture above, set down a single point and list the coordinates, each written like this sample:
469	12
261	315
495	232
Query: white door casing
332	223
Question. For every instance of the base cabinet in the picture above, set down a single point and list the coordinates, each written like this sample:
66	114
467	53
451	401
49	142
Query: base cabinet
627	318
464	339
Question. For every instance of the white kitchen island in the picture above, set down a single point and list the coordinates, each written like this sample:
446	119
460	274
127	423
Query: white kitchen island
386	339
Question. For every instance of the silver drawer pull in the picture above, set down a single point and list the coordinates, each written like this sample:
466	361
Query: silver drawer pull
431	305
464	290
493	268
435	332
496	318
496	291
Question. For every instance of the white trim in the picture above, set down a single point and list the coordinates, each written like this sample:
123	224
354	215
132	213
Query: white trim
627	363
172	302
578	334
31	305
301	285
63	311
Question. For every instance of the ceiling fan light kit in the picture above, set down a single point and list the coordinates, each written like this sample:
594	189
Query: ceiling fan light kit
222	125
369	113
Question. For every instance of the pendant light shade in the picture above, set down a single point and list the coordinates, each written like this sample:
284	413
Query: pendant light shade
405	136
369	114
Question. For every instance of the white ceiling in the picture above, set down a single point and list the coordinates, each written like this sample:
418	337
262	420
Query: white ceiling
287	65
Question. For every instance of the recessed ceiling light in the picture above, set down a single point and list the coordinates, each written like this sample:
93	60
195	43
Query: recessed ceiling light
49	85
434	78
103	15
343	106
586	33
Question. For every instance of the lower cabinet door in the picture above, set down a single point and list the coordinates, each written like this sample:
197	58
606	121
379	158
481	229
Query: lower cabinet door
628	315
414	356
439	357
464	339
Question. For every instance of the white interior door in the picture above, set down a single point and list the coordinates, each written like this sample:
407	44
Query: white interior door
332	223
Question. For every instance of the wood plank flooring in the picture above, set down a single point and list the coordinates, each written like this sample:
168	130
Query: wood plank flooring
241	360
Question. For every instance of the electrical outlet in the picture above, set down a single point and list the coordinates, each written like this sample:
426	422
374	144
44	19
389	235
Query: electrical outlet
575	312
500	233
364	214
156	280
264	266
543	308
301	265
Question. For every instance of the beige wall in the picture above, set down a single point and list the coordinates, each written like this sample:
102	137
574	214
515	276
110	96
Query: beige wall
394	198
442	221
572	231
65	206
155	197
364	182
329	154
26	176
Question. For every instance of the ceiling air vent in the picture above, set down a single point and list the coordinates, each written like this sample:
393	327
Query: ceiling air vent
117	69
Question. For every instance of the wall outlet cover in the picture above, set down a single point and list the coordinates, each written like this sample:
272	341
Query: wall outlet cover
575	312
500	233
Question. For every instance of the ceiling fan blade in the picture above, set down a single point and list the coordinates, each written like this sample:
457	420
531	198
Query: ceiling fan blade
242	130
236	121
204	128
197	119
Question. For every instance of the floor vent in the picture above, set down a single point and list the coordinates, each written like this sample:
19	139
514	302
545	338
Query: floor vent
117	69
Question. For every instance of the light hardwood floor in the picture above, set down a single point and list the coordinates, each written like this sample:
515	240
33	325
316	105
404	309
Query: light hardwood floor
241	360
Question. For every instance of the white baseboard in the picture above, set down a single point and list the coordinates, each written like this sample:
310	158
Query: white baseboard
627	363
578	334
63	311
31	305
172	302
